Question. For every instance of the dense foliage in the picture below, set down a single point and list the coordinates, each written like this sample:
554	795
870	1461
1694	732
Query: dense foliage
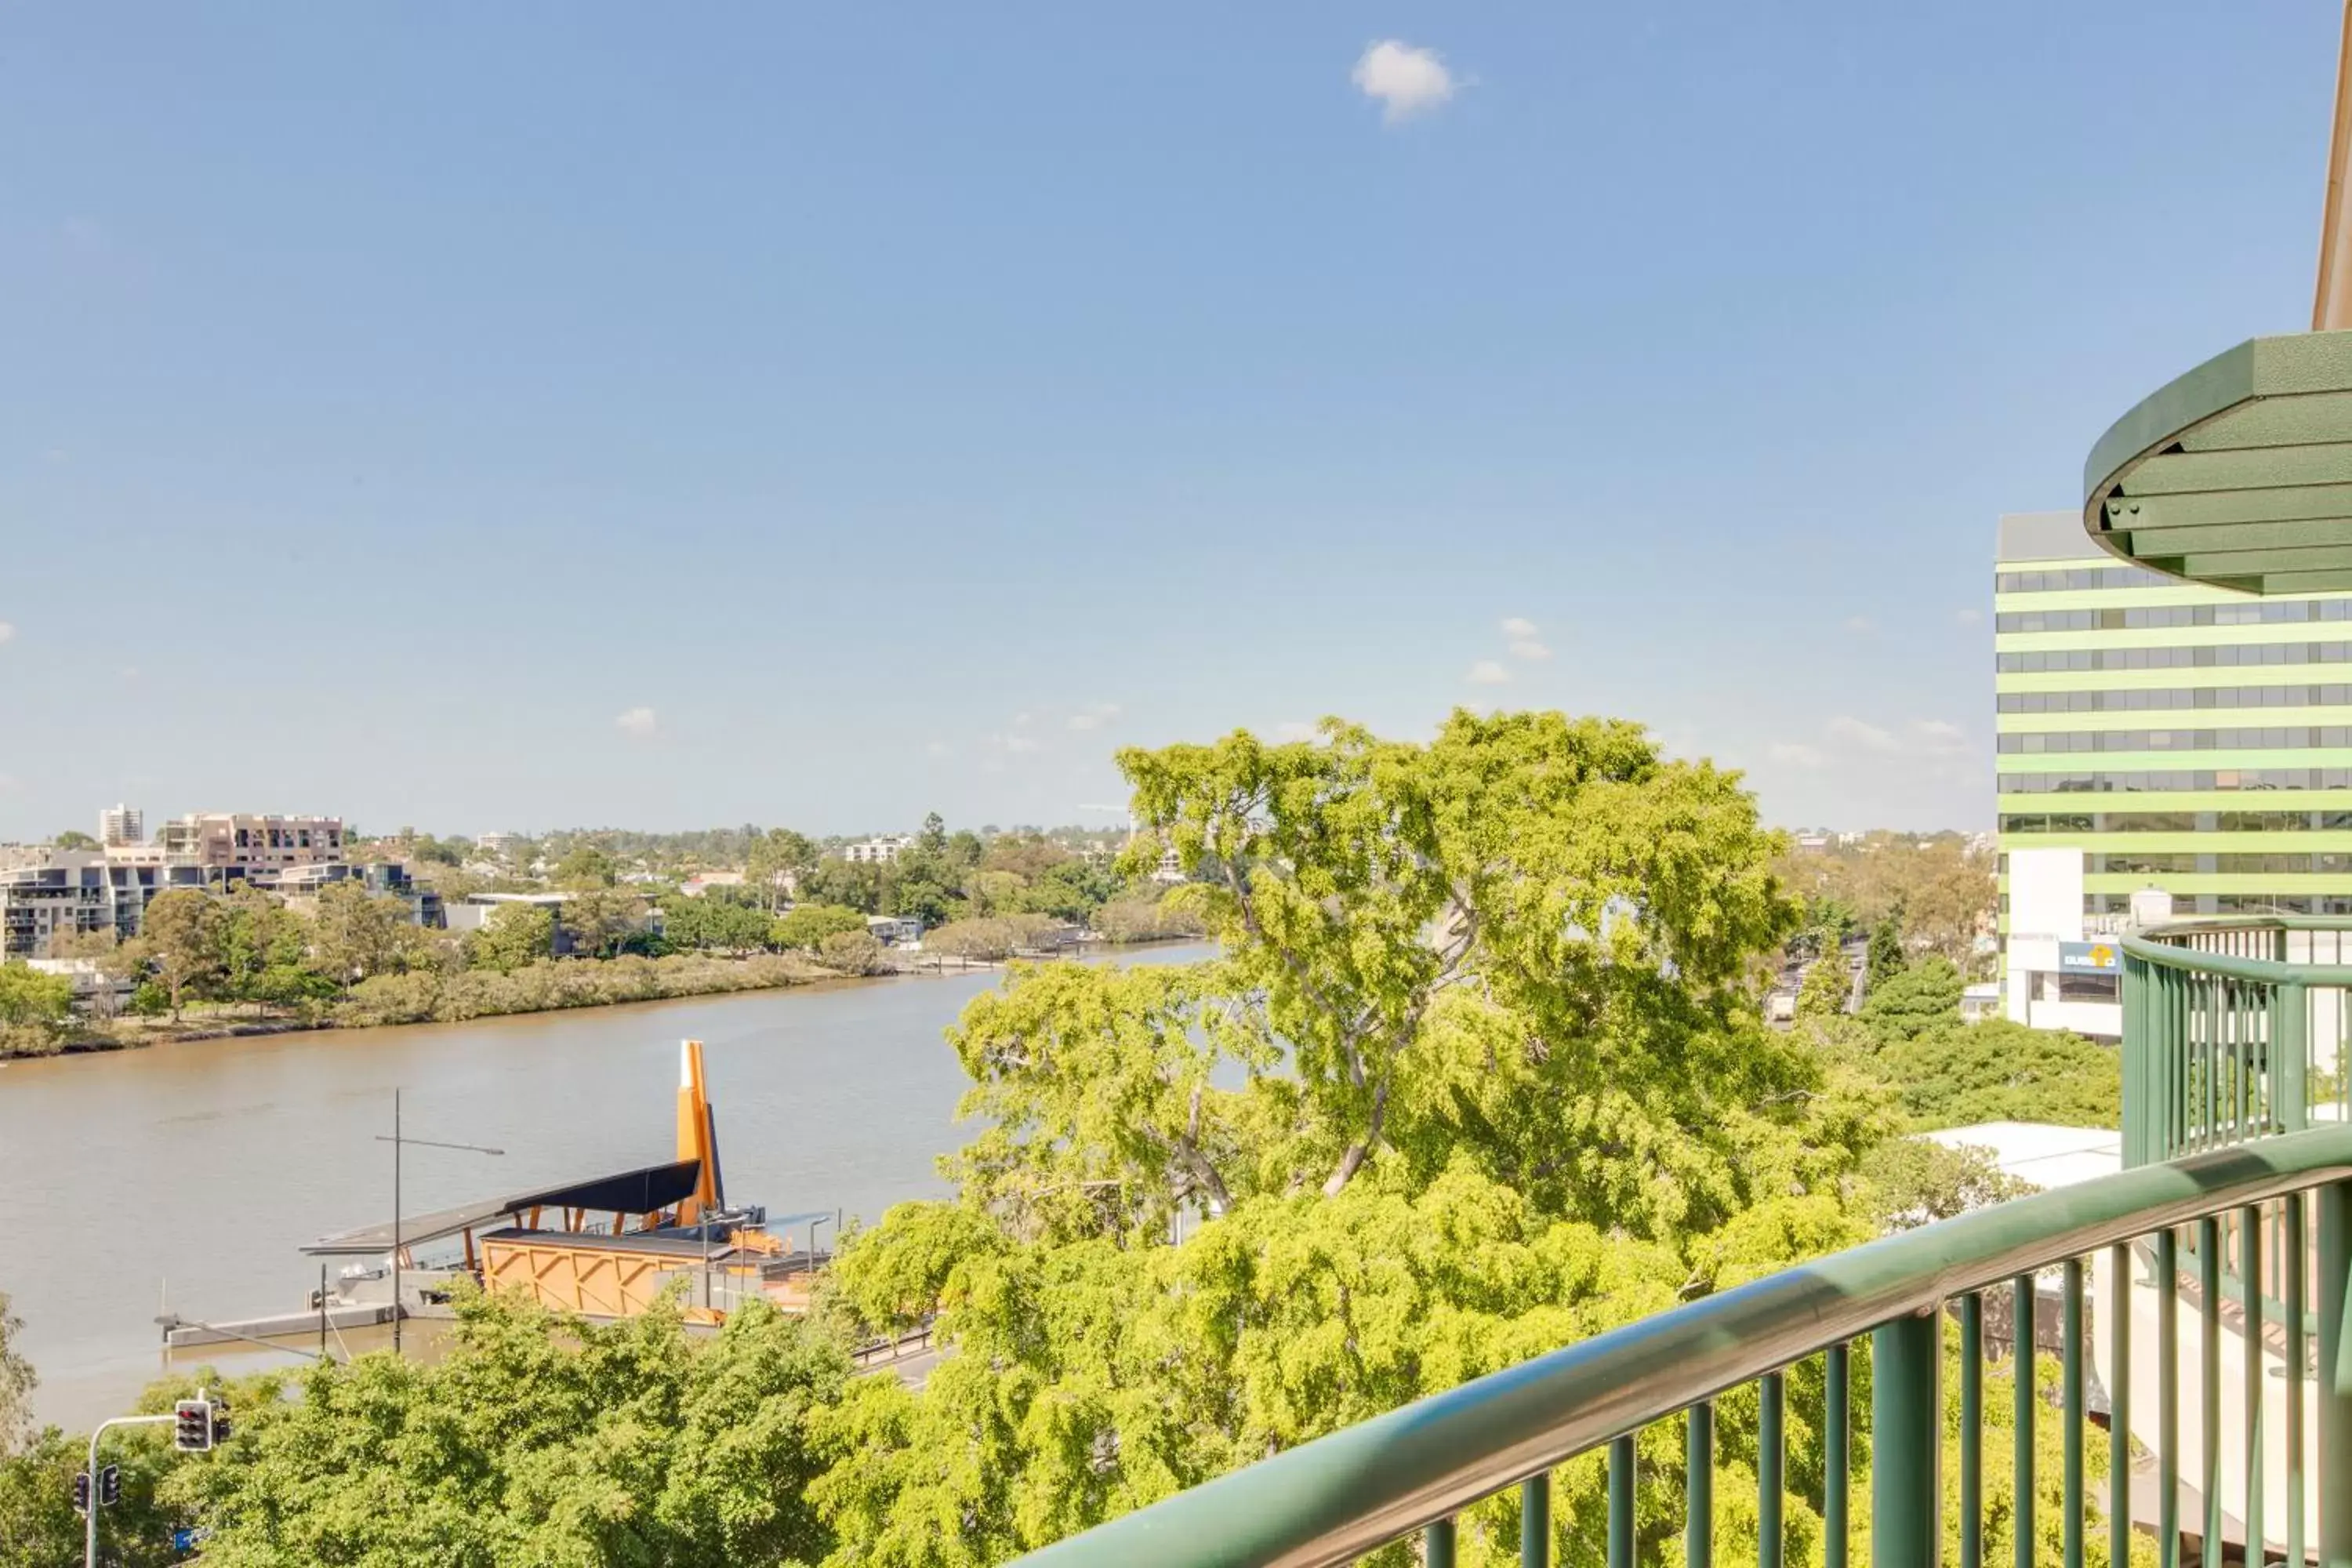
537	1440
1404	1158
1478	1071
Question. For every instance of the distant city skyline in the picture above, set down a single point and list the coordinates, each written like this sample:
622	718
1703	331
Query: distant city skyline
820	419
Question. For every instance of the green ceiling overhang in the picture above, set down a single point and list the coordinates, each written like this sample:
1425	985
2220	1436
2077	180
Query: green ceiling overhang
2239	474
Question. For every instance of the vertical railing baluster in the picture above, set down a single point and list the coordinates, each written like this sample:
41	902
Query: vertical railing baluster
1972	1430
1437	1545
1698	1488
1621	1502
2119	1310
2212	1032
2241	1058
2249	1307
2292	1048
1535	1521
1835	1444
1904	1435
2168	1397
2020	1449
2071	1385
2292	1242
1771	1467
2334	1463
2209	1382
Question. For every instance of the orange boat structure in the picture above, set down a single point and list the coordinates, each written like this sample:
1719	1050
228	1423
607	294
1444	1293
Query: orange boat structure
608	1246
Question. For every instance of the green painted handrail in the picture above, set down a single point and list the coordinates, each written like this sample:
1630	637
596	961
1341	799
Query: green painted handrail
1331	1500
2153	945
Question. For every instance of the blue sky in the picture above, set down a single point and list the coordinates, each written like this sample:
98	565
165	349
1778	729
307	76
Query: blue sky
532	416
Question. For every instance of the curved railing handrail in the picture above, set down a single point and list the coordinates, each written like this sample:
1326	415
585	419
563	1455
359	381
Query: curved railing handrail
2149	945
2269	971
1333	1500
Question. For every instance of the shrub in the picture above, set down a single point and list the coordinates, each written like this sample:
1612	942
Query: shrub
808	925
853	952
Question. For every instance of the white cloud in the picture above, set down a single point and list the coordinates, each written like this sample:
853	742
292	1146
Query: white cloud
1528	649
1855	732
1095	716
1967	617
7	632
1862	624
1939	737
637	722
1406	81
1020	742
1797	754
938	749
1022	720
1519	627
1488	672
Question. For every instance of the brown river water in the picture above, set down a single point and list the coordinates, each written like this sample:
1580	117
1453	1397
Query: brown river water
195	1171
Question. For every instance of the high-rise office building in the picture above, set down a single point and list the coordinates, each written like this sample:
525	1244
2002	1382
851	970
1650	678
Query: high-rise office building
121	825
2178	737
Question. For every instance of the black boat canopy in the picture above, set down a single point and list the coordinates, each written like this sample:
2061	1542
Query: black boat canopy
629	1192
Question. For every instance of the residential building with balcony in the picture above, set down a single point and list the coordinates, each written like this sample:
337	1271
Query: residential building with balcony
121	825
878	851
236	842
55	892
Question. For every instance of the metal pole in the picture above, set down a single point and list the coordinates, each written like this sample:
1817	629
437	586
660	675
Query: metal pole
1903	1407
90	1470
2334	1392
395	1222
322	1312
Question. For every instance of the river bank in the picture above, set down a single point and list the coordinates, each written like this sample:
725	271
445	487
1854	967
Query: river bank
429	997
557	987
190	1175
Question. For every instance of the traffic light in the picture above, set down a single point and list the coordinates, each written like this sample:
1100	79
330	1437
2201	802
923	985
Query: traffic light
109	1486
191	1426
81	1491
220	1424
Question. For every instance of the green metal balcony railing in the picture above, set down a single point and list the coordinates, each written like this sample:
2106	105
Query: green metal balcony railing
2148	1247
2233	1029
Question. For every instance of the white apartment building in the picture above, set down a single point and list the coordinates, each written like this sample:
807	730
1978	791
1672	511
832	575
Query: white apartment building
120	825
46	891
878	851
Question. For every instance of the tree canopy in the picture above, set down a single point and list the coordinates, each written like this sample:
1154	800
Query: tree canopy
1475	1076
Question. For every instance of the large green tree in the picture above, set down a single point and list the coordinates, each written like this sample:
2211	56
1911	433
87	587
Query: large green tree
36	1006
1475	1076
358	933
181	936
512	937
775	860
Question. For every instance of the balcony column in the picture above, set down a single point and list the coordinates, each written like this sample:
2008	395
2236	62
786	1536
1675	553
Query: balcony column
1904	1407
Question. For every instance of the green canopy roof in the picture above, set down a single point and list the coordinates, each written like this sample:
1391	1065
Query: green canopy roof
2238	474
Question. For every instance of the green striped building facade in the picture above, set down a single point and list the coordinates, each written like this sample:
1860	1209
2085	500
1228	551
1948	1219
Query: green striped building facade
2182	737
